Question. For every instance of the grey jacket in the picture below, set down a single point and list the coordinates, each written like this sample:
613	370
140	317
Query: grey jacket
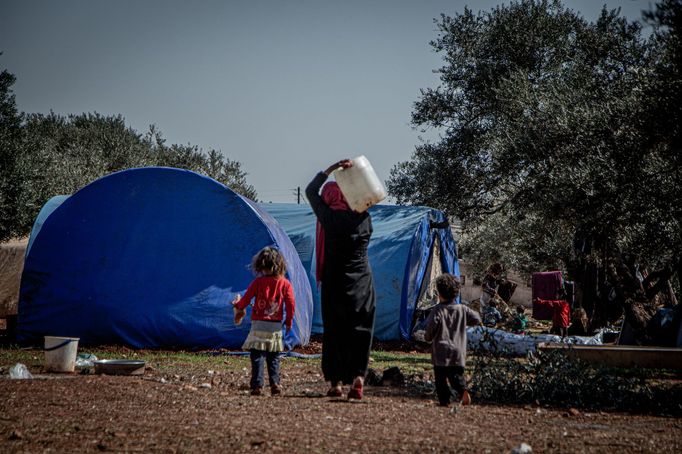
446	329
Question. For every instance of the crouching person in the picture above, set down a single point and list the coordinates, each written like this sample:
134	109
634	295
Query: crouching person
446	330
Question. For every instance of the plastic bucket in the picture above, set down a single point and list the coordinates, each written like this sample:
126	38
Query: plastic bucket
60	353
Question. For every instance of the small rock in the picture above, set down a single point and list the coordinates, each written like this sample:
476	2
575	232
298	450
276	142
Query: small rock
393	376
210	372
573	412
205	385
523	448
163	380
373	378
190	388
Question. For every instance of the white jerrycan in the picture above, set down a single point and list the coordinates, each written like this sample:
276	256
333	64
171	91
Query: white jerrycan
360	185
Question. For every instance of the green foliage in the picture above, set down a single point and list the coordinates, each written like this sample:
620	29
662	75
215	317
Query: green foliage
409	363
10	143
45	155
548	130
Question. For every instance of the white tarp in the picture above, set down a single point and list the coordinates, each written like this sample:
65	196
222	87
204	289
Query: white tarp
500	341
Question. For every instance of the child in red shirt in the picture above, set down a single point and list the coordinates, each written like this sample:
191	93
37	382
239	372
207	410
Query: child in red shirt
560	317
274	300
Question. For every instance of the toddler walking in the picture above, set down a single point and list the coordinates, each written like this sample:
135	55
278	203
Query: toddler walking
274	300
446	330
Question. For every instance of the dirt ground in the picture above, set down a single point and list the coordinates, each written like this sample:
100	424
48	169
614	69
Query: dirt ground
201	403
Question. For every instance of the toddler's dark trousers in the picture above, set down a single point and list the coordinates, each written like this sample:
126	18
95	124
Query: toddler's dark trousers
454	375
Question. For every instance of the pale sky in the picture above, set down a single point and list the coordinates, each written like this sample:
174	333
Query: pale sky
284	87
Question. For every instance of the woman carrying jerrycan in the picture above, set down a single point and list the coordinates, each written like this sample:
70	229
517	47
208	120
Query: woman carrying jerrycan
345	277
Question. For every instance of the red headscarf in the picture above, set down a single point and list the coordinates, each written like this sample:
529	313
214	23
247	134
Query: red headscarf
333	197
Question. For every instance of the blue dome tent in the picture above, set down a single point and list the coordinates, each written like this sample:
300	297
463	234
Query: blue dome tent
409	247
150	258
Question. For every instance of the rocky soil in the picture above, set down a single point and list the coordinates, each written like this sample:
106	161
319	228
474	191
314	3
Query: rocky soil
200	403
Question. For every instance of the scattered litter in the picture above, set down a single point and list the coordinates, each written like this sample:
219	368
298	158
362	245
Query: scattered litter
163	380
205	385
19	372
85	360
311	393
523	448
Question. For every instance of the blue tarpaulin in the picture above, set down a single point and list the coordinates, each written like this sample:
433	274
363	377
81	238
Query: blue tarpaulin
150	258
399	253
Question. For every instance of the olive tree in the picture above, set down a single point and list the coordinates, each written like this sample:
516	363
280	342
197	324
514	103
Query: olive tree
547	140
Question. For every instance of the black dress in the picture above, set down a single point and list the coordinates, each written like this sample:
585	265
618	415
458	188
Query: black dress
347	293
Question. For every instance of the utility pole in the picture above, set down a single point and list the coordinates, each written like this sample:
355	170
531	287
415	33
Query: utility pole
298	195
